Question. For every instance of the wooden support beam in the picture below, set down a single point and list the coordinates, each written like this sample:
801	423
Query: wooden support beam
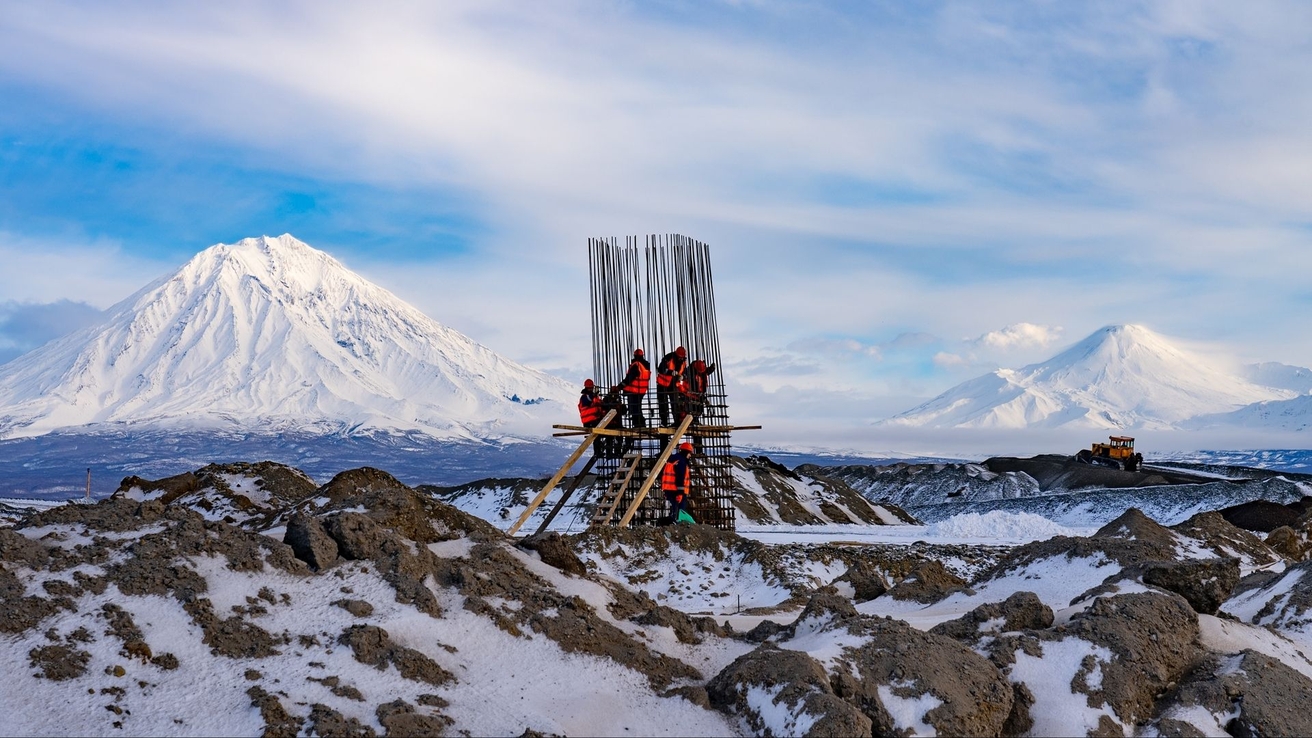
656	471
560	504
551	484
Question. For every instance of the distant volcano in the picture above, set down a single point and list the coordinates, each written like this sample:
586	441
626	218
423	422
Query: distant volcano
270	334
1120	377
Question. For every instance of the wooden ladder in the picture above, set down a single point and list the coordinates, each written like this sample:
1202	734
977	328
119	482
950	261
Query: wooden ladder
610	499
656	470
564	469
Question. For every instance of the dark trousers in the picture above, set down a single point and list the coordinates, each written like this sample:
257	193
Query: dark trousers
677	502
635	409
665	397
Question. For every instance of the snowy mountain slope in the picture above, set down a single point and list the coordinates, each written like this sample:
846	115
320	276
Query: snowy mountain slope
1120	377
272	334
1294	414
1281	376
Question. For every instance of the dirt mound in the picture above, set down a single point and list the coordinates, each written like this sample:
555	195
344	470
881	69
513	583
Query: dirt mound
1261	515
866	580
1249	694
1053	472
1225	539
499	587
387	501
237	493
555	550
1204	583
798	697
1020	611
896	664
1123	652
928	582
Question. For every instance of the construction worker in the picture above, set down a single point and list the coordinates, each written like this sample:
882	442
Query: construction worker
613	447
675	480
673	366
635	385
589	404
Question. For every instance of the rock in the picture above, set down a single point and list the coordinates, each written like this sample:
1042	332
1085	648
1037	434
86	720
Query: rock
928	582
326	721
1020	611
1288	543
555	550
866	579
357	535
898	670
1248	694
764	631
372	645
824	607
278	723
1205	583
358	608
310	542
401	719
800	699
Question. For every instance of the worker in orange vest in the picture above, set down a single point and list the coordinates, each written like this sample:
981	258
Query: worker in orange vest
672	367
589	404
675	480
635	385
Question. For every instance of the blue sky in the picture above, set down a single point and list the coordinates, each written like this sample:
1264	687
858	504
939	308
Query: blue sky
898	196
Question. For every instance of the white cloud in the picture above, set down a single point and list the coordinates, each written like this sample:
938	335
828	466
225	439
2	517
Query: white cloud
947	360
1020	336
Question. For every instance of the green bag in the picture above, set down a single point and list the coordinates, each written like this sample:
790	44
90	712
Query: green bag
685	518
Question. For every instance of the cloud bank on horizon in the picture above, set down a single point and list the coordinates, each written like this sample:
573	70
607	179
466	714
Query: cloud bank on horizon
897	198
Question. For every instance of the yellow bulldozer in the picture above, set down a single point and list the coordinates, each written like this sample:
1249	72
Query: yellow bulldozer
1118	453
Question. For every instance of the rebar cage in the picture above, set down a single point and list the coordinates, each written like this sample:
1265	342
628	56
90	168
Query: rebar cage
655	293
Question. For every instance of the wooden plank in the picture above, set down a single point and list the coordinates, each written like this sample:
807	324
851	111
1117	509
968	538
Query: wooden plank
656	470
565	497
551	484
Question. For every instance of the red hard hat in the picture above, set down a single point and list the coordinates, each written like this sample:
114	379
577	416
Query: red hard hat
685	446
681	351
699	365
637	352
587	384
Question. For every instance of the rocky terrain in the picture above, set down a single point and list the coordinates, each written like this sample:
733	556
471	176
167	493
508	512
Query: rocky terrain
1063	490
765	493
245	600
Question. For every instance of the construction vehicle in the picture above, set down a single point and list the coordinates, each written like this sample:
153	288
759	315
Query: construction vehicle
1117	454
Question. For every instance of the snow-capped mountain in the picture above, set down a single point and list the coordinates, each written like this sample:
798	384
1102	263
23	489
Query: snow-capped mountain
1120	377
1294	414
270	334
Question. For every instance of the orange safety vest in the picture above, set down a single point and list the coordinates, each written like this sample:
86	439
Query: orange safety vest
669	483
589	411
640	383
698	382
667	371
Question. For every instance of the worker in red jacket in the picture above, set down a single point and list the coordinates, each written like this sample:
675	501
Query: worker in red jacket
635	385
675	480
672	367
